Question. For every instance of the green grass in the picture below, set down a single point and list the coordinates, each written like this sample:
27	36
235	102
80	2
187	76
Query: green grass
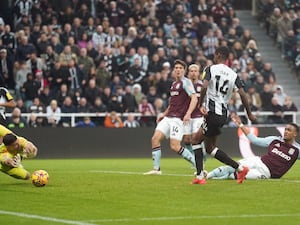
114	191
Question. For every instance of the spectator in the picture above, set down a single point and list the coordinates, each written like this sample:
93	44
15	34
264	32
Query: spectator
159	106
6	70
83	106
24	49
91	91
67	55
98	107
280	95
266	98
277	117
103	76
67	107
85	63
37	121
148	113
135	73
246	37
86	122
112	120
16	120
53	113
164	85
37	107
30	89
259	83
131	122
75	77
251	48
114	104
284	24
20	104
209	43
267	72
152	94
258	63
289	106
116	83
137	92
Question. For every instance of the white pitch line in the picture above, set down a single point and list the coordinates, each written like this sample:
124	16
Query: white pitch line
181	175
140	173
44	218
196	217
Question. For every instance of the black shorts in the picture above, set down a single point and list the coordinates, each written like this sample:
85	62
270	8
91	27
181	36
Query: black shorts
213	123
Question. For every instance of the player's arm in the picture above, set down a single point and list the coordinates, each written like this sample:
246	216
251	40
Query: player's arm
162	115
29	150
190	90
9	160
206	76
9	104
9	99
259	141
244	99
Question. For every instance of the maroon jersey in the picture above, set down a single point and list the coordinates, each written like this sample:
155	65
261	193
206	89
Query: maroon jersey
196	113
280	157
179	97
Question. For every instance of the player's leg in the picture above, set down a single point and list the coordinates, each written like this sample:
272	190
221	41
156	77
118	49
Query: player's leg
176	134
222	172
214	125
257	169
160	133
198	138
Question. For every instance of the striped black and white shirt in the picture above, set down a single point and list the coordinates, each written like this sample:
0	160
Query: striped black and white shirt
222	82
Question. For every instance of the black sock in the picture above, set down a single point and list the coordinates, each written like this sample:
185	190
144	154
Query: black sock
199	160
224	158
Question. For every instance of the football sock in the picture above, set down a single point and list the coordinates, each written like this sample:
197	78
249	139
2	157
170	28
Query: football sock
224	158
189	147
156	155
222	172
187	155
199	160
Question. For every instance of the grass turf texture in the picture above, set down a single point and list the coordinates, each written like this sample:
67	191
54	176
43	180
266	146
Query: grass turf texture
114	191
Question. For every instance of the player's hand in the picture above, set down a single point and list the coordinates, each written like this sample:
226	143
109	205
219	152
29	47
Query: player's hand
160	117
236	119
17	160
203	110
252	117
186	119
13	162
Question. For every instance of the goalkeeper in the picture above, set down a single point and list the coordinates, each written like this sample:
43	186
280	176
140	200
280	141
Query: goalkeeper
12	151
282	152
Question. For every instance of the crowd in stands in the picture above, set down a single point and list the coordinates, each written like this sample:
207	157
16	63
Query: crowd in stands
281	20
113	57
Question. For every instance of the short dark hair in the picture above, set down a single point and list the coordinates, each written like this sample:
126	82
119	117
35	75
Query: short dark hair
223	51
178	61
295	126
8	139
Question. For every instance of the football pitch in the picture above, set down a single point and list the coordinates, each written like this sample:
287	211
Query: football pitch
114	191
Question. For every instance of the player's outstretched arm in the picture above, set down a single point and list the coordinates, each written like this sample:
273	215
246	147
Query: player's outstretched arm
30	150
246	104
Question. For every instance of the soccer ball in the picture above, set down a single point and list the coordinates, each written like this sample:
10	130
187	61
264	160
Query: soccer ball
40	178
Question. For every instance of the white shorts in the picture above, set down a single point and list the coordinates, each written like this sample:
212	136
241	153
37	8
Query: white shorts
257	169
193	126
171	127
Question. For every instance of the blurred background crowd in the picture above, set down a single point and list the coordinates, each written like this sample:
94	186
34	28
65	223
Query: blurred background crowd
101	56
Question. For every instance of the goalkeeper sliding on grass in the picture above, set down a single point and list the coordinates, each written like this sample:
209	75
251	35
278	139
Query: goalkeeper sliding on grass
280	157
12	150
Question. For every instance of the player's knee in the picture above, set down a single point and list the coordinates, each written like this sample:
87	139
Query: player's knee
175	146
